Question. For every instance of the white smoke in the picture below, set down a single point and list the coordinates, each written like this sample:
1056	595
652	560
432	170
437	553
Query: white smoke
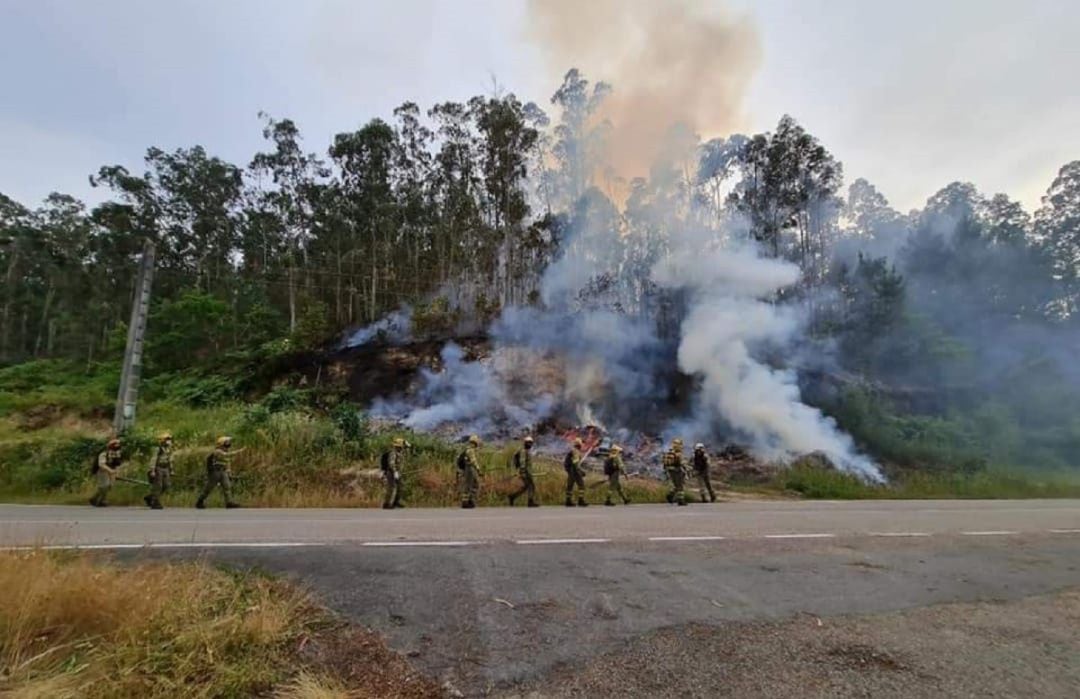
474	396
394	329
727	326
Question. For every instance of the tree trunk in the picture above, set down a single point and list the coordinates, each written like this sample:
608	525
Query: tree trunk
38	341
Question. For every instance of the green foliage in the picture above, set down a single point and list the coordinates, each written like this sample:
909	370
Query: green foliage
351	422
824	484
313	327
48	464
63	384
285	399
192	389
186	330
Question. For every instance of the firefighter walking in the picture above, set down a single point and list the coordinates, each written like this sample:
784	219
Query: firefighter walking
105	470
614	470
391	464
675	470
523	464
469	471
575	475
160	474
218	474
701	470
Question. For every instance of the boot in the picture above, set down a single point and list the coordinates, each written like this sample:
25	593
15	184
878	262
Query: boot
533	503
569	502
581	502
609	503
681	503
512	498
200	505
387	506
671	498
232	505
157	505
703	498
148	500
93	501
712	498
469	505
398	506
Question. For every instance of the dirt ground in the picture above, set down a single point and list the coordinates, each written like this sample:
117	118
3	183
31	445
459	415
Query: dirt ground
1029	647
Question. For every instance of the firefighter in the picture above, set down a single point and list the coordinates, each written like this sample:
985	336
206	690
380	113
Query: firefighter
701	470
160	475
614	470
391	463
469	468
523	464
105	469
673	466
575	475
218	473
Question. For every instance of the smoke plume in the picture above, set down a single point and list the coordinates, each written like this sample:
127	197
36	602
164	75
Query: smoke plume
727	326
671	62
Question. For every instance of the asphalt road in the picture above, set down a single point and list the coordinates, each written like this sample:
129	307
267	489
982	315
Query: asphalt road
22	525
499	601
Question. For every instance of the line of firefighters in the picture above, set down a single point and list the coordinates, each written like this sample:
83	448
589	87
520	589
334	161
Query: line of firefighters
106	471
468	467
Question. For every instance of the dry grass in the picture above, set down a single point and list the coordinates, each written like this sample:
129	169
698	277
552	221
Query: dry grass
75	626
309	686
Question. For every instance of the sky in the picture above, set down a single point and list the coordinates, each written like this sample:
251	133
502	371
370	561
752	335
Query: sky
909	95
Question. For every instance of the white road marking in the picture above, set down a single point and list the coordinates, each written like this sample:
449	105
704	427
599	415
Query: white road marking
1002	532
1065	531
178	545
562	541
686	538
421	543
898	534
799	536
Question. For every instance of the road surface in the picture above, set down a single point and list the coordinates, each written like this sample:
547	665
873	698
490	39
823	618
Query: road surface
22	525
864	598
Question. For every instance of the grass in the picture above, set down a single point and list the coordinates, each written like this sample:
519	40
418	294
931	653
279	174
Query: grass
75	626
54	417
990	484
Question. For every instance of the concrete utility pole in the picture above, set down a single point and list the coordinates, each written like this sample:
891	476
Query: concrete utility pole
128	394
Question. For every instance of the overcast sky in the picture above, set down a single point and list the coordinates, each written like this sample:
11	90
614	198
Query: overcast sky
910	95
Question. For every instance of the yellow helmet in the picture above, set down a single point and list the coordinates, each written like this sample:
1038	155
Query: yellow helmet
676	443
224	441
474	440
616	449
399	443
165	437
114	443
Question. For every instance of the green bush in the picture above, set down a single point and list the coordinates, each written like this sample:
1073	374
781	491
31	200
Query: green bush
285	399
352	423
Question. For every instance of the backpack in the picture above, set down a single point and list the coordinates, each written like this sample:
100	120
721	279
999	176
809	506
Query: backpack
609	466
384	461
568	462
94	467
462	462
210	461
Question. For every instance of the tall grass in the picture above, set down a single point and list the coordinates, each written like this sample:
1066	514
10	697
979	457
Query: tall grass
990	484
74	626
